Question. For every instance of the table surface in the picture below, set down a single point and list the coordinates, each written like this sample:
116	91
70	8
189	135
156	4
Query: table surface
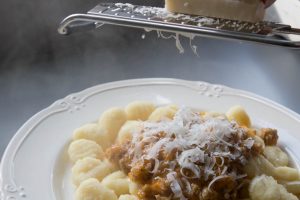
38	66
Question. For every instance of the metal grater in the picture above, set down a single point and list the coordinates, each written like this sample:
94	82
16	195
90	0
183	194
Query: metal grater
154	18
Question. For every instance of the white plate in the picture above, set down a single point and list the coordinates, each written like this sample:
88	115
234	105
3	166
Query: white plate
35	165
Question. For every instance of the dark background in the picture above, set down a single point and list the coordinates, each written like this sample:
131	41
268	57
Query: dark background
39	66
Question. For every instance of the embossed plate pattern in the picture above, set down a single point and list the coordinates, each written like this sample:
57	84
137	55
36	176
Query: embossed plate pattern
35	165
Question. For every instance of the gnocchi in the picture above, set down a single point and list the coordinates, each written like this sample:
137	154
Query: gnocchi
162	113
286	173
93	132
127	130
260	165
92	189
276	156
90	168
139	110
292	186
82	148
128	197
112	120
211	114
239	114
118	182
133	188
266	188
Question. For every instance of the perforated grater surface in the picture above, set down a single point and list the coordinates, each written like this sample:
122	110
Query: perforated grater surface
154	18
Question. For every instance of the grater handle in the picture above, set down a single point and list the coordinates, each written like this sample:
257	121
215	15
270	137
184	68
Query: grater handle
74	23
143	23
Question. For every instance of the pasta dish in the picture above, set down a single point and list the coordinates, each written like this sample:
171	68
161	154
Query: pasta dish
145	152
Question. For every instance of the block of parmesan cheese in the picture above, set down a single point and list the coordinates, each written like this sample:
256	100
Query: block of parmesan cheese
244	10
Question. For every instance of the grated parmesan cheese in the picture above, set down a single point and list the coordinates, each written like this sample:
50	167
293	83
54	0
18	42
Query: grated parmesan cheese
191	148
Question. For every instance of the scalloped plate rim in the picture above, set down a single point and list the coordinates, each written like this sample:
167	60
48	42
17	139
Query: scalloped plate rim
86	93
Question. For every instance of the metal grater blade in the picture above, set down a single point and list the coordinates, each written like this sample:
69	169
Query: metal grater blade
155	18
161	15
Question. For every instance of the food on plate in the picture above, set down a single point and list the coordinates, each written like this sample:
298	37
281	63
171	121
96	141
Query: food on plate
238	114
128	197
244	10
276	156
118	182
163	113
266	188
125	133
174	152
92	189
82	148
94	132
112	120
89	167
139	110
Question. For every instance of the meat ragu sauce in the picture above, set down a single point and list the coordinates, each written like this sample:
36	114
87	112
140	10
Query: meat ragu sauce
192	157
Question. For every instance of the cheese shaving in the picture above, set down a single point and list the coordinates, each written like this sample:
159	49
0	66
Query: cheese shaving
174	185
